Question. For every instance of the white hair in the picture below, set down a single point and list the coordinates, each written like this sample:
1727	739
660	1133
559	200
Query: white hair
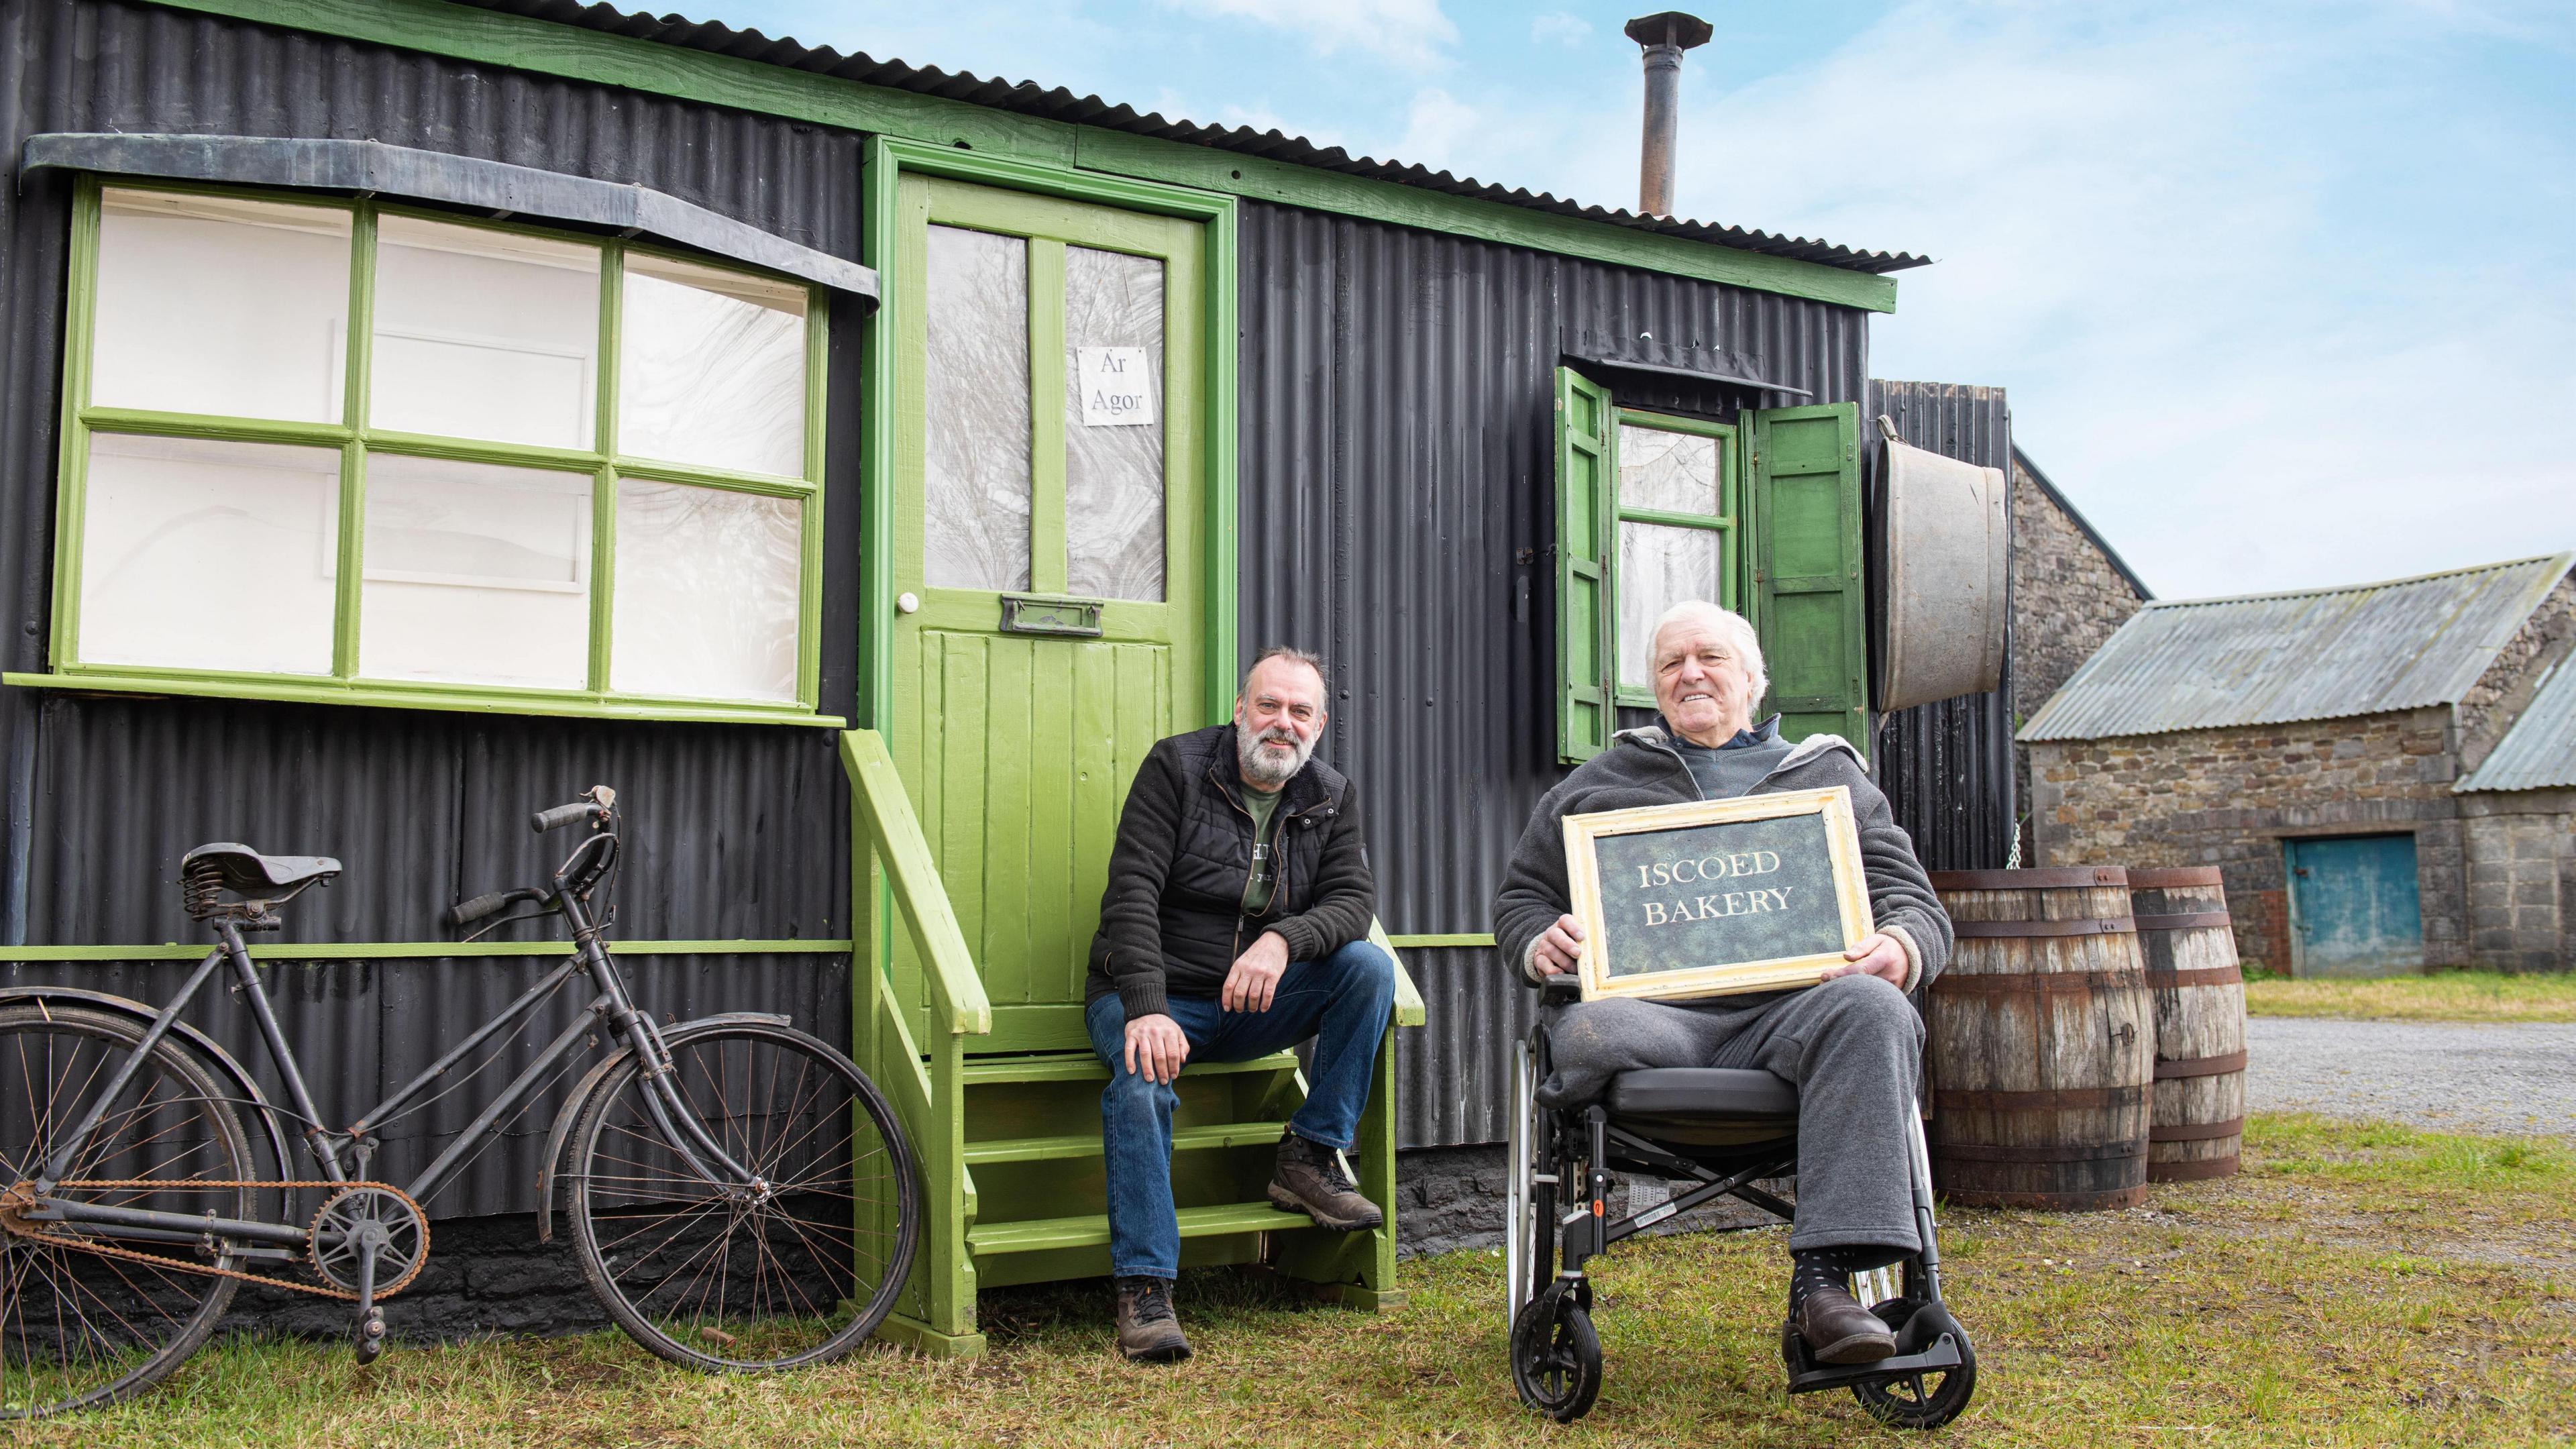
1731	626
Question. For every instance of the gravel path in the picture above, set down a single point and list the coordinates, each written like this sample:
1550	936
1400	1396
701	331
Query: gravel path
2507	1078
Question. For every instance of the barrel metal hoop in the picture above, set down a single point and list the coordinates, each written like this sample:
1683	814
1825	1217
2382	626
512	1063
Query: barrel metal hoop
2197	1131
2200	1066
2037	983
1989	930
2070	1152
2166	877
1981	1099
2189	920
2194	976
2050	878
2200	1171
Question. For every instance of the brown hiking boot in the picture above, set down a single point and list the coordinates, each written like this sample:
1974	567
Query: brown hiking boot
1148	1330
1310	1181
1836	1328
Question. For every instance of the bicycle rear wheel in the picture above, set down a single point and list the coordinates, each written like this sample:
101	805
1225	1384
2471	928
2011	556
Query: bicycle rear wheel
797	1270
87	1320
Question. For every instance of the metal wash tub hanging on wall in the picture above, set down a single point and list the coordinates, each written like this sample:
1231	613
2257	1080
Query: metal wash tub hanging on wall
1948	553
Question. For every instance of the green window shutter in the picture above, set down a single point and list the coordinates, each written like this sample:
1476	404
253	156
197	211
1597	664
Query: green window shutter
1808	605
1585	712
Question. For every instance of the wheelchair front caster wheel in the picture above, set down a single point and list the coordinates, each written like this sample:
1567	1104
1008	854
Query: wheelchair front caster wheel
1924	1400
1556	1357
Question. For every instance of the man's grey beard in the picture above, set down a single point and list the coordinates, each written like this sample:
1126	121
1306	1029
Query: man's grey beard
1267	770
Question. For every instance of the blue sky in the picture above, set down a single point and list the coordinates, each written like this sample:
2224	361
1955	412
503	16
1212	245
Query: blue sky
2284	291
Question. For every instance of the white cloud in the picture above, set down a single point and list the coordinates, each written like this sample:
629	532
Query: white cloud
1556	27
1408	32
1434	129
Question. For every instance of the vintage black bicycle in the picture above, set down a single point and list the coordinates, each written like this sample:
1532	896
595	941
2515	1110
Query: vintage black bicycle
739	1193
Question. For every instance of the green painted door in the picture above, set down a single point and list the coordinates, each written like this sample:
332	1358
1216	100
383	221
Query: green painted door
1047	557
2354	910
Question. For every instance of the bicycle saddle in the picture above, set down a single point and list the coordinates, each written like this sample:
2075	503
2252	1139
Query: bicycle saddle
245	871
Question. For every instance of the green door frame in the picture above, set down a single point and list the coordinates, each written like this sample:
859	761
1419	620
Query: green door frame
888	160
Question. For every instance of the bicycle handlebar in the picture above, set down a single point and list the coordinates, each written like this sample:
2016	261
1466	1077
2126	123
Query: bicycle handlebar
466	913
575	813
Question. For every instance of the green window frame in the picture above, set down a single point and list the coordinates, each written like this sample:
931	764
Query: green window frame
1789	559
1725	523
358	441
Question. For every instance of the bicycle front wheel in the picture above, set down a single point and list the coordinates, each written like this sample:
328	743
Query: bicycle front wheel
795	1265
86	1317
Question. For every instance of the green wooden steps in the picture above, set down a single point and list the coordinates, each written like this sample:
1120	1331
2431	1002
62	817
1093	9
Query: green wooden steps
1087	1068
1032	1235
1184	1139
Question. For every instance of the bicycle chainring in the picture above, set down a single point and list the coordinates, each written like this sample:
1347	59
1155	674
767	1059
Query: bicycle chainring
350	1218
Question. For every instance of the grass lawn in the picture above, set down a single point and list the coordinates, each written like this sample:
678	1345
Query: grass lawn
2443	996
2359	1285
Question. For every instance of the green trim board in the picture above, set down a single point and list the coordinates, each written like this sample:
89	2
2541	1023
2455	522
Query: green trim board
1436	942
549	48
417	950
356	440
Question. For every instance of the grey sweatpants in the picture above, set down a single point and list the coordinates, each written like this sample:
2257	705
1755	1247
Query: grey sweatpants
1852	1046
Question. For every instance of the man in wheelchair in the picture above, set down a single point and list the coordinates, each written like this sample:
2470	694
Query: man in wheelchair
1847	1051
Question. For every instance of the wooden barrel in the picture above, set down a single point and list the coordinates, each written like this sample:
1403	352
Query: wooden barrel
2199	994
2042	1042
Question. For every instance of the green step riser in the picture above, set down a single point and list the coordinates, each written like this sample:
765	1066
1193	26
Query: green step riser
1078	1146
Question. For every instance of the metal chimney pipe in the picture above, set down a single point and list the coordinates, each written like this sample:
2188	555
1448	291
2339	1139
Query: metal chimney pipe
1664	36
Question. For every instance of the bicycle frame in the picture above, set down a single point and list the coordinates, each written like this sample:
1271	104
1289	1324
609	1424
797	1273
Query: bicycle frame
612	1009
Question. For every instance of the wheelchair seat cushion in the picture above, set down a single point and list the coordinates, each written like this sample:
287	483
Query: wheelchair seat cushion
1706	1106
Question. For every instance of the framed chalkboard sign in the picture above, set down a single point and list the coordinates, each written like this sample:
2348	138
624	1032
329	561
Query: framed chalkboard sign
1710	897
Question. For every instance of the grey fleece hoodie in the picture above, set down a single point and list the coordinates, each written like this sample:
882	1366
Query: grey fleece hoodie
1642	767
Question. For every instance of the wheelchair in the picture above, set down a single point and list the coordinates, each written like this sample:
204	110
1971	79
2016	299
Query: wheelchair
1723	1131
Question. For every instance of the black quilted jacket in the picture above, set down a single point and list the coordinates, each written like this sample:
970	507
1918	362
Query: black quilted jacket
1172	920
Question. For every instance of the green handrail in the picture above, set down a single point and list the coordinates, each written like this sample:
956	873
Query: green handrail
957	999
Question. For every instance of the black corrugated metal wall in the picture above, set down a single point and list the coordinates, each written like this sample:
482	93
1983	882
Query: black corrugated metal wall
734	831
1947	767
1397	506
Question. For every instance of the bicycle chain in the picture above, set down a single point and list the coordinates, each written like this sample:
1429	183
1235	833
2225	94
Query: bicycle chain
319	1290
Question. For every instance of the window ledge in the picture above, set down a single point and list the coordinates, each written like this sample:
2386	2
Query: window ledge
463	701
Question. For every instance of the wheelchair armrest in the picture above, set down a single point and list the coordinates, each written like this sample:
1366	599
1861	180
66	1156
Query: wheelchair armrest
1562	990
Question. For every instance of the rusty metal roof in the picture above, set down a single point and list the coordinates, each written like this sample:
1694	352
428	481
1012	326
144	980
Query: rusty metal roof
1058	104
2194	664
2539	752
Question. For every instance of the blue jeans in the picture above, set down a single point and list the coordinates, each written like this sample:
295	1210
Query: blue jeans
1341	1001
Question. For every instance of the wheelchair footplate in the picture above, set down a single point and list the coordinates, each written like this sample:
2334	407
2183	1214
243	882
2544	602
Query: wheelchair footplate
1928	1340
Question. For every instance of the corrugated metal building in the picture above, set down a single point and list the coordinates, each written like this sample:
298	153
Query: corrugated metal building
2371	766
1362	459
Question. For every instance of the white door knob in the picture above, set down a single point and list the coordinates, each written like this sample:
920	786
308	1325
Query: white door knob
909	603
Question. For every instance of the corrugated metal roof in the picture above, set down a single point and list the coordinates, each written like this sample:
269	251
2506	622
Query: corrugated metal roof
2539	752
2313	654
1058	104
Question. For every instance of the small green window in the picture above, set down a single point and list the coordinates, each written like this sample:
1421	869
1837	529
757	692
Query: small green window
1653	509
342	450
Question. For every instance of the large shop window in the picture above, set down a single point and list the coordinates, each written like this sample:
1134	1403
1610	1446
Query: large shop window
344	450
1761	515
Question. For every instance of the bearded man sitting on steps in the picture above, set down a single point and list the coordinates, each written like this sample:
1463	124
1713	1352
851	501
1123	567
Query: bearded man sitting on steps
1234	925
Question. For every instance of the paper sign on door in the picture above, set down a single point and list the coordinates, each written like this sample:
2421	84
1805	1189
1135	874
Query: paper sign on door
1117	387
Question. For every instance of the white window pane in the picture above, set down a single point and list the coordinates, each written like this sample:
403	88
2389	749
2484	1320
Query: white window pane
475	574
1665	471
976	524
210	305
1658	568
206	555
711	368
706	592
484	334
1113	468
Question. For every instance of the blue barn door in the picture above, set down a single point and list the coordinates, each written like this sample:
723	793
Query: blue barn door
2353	907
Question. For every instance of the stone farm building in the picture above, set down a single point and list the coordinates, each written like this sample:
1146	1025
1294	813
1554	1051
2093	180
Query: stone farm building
2384	772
